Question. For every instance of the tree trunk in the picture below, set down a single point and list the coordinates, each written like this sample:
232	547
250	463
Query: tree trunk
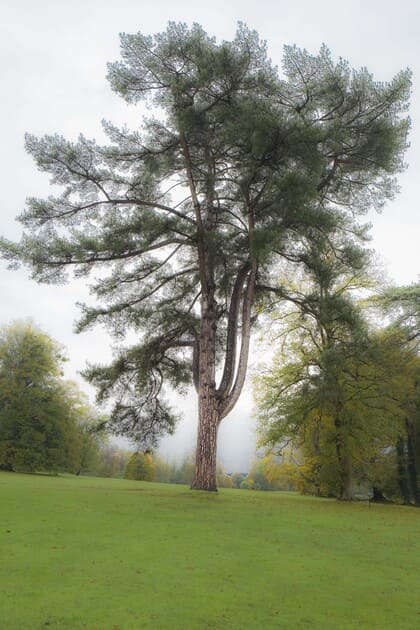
208	424
208	404
347	484
411	462
378	496
402	470
345	468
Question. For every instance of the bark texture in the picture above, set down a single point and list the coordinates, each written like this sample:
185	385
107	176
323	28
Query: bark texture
208	408
215	403
206	453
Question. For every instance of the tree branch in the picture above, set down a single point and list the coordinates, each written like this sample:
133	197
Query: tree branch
230	401
197	210
232	332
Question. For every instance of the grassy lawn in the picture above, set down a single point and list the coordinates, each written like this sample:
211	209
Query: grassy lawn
104	553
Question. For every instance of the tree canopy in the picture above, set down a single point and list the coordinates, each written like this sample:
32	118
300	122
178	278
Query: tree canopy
188	220
45	422
342	395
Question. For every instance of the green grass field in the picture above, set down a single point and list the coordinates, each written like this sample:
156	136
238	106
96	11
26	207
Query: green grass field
107	553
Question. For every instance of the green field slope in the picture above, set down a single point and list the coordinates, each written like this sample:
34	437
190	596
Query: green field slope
117	554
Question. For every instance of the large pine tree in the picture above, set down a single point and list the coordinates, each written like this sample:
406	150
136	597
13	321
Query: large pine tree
192	215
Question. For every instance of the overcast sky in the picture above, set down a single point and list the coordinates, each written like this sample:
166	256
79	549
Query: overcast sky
52	74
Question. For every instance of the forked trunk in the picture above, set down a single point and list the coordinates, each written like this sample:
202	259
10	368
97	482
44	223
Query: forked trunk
216	403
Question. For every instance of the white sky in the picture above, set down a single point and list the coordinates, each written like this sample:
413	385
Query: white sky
52	72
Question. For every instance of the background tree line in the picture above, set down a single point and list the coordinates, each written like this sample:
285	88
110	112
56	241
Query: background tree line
339	408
